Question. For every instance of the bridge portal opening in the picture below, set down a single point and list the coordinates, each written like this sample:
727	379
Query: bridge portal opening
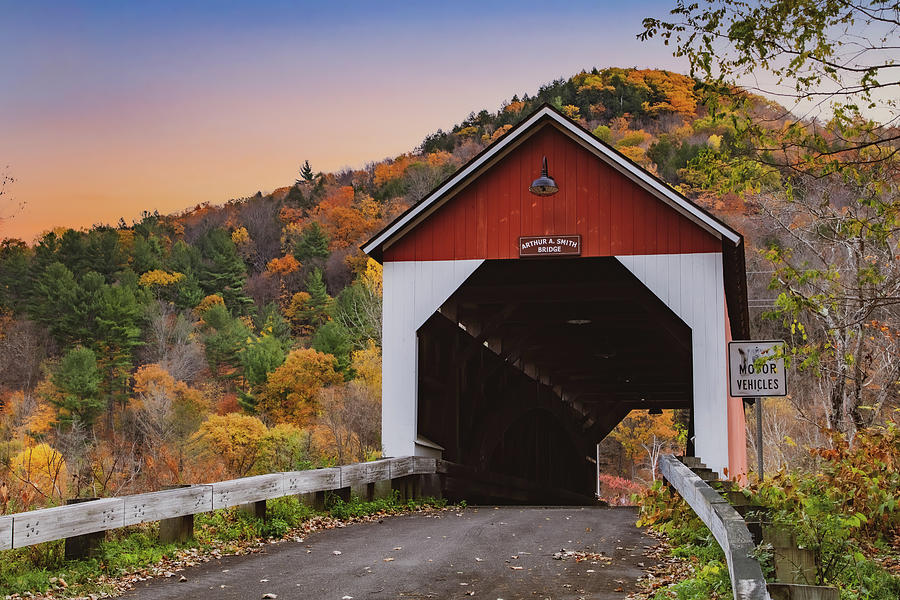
530	363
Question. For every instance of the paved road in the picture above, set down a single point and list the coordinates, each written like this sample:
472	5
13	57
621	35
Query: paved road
434	557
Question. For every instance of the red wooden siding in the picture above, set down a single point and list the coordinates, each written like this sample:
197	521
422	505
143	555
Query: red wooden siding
612	214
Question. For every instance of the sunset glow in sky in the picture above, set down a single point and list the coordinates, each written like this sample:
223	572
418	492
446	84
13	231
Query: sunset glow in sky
108	109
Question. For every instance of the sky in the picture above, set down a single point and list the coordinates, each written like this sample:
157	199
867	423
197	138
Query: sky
108	109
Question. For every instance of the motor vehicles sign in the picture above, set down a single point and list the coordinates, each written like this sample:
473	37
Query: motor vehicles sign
755	369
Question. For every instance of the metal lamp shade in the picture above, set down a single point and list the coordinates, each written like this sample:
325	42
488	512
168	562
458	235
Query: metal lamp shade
543	185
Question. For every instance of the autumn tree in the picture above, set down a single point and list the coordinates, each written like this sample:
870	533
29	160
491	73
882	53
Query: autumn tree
641	433
289	394
352	416
358	307
42	469
234	438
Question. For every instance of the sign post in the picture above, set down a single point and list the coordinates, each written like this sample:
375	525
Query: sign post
754	371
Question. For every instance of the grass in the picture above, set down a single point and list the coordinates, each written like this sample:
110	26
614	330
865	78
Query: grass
133	549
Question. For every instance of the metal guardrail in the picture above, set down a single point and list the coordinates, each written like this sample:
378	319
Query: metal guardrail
48	524
726	525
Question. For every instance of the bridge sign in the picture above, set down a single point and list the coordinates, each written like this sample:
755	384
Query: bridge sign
750	377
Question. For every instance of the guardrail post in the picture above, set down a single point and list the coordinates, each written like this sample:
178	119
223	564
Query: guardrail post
362	490
255	509
382	489
406	486
176	529
82	546
430	486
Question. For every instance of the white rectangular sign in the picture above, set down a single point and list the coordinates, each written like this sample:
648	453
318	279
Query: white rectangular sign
747	377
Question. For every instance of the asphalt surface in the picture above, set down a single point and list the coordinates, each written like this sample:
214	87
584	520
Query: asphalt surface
444	555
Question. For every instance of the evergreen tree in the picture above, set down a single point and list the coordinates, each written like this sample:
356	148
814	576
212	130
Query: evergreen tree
313	244
259	357
224	337
315	310
306	173
78	381
222	270
334	339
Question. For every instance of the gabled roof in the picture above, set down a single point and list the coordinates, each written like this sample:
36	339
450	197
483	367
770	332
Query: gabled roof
543	116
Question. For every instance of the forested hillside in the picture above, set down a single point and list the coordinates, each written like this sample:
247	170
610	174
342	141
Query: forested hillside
242	338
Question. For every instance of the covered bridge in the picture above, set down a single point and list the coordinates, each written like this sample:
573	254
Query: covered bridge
524	319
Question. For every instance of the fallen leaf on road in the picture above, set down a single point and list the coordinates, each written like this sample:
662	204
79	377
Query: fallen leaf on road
516	568
388	559
337	552
182	579
270	596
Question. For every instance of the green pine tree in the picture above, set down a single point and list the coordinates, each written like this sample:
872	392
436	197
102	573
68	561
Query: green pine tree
78	380
316	310
313	244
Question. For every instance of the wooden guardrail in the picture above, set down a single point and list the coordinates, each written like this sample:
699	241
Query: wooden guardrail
726	525
62	522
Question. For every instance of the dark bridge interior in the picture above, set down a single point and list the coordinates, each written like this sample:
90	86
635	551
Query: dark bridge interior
532	362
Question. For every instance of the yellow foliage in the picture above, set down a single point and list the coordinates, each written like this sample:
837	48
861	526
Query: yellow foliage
233	438
640	429
367	365
285	265
372	277
209	302
160	278
296	305
288	395
467	132
635	153
43	468
571	111
240	236
126	240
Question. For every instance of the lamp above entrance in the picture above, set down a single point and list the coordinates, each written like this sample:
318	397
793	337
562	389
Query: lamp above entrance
543	185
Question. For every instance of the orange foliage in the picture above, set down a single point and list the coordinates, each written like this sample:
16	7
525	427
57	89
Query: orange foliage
285	265
500	132
514	107
346	222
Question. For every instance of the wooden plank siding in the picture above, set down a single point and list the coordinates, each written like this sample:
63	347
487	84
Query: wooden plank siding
61	522
613	215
